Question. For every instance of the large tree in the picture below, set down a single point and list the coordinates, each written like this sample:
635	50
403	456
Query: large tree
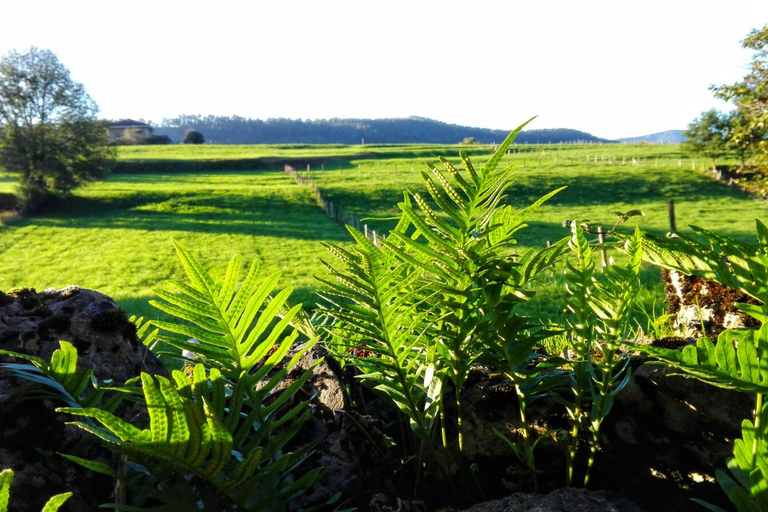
49	133
749	131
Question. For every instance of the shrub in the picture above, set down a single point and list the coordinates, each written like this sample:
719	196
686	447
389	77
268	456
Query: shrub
193	137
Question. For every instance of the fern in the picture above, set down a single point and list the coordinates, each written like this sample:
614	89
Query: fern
197	426
379	292
468	259
715	257
66	381
739	359
601	307
232	328
579	276
440	293
226	427
6	479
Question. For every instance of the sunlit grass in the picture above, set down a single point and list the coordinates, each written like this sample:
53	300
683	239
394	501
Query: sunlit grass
115	236
371	189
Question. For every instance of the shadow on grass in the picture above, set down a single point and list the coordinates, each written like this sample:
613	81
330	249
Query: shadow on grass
225	214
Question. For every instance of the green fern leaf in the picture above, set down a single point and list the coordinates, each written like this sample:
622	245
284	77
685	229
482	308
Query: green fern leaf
92	465
56	501
493	162
724	370
6	479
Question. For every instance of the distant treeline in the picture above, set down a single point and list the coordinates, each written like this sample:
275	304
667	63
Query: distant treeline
241	130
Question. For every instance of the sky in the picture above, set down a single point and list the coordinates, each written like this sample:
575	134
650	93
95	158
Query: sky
618	68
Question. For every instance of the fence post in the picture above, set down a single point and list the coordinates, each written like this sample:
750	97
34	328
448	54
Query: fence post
601	239
671	210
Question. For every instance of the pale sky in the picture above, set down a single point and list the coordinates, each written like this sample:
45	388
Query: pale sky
611	68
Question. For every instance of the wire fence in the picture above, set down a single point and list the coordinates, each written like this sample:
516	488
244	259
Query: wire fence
335	212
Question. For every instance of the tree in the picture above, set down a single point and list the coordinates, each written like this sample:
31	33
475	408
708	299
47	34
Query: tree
709	135
49	133
750	96
193	137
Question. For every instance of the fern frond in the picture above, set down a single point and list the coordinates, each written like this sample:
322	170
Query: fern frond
728	261
490	166
56	501
68	383
224	436
373	302
738	361
232	327
6	479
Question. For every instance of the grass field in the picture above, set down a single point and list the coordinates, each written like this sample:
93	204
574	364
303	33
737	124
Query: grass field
290	151
114	236
372	188
594	189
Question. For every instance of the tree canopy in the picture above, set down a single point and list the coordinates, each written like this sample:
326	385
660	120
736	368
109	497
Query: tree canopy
49	133
709	135
749	126
242	130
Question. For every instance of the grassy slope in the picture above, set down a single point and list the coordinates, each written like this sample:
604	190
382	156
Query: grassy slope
114	236
367	189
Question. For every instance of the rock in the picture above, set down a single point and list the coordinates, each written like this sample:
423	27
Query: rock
695	302
661	445
383	503
560	500
352	445
667	436
31	432
324	383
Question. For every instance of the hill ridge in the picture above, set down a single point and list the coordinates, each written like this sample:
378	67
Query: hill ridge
413	129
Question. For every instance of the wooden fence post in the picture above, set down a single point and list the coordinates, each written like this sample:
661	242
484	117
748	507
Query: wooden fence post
671	210
601	239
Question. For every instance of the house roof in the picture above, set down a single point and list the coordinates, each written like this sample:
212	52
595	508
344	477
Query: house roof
128	123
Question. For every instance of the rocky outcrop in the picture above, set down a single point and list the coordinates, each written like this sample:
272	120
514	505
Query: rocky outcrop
560	500
661	445
666	437
31	432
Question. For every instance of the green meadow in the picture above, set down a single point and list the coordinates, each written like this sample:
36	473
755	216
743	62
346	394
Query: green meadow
114	236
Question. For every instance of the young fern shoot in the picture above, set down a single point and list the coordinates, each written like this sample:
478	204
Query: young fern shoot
579	286
601	305
612	303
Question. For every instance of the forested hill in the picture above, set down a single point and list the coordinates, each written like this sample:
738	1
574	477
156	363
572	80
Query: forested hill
240	130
